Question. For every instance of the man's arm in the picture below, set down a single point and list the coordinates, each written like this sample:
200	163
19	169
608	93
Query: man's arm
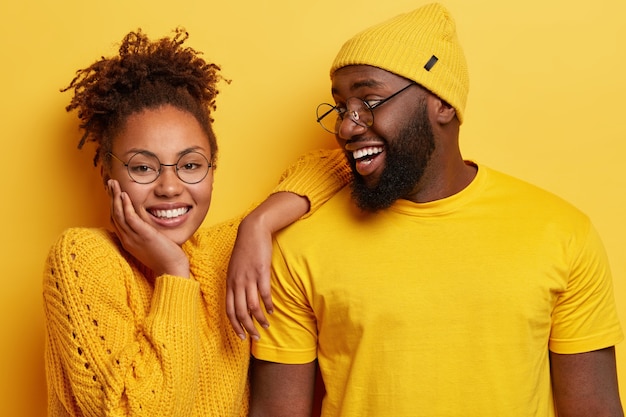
585	384
281	390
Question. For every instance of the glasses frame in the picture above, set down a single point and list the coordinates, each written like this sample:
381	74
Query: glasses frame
126	164
354	114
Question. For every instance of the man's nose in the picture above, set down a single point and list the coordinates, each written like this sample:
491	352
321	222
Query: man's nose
350	125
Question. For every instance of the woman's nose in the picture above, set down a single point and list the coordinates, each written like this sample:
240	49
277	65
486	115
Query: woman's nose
168	183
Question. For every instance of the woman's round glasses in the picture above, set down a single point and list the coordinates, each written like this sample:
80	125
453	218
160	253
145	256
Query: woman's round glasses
358	110
144	167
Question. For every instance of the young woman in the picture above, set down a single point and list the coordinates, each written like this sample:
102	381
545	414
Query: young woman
135	316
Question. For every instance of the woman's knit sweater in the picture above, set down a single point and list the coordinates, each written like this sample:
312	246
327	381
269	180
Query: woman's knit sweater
122	342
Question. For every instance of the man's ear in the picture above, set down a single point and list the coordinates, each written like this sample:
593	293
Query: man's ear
442	112
445	113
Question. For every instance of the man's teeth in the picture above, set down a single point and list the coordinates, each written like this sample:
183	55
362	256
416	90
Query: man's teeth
366	152
168	214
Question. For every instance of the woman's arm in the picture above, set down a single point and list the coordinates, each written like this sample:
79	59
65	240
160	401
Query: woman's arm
304	187
115	345
249	269
122	330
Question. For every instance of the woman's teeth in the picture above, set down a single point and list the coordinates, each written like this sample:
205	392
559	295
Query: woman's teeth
168	214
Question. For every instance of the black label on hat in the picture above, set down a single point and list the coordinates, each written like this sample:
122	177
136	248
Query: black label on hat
431	63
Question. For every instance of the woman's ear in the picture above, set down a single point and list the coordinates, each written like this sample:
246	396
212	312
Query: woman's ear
104	173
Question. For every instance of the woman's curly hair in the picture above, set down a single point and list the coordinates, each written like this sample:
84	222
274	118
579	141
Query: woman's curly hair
144	75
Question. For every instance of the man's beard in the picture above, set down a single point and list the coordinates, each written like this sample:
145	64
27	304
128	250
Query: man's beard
406	158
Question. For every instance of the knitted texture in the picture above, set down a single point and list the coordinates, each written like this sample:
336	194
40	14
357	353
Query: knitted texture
122	342
321	187
421	45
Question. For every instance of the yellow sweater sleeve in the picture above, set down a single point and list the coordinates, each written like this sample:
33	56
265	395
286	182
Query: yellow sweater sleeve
116	345
317	175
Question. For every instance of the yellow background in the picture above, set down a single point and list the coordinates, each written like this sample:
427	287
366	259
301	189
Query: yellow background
546	104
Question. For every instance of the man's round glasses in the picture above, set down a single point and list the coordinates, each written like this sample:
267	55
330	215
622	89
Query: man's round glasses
145	167
358	110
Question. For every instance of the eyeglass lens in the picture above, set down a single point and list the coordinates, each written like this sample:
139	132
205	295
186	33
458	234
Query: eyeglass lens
356	110
145	168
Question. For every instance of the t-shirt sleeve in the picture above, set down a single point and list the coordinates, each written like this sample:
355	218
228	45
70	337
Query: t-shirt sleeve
292	335
585	316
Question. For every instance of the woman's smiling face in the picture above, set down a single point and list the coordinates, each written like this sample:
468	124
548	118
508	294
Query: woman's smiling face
175	208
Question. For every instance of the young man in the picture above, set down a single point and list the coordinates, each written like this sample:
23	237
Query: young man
436	286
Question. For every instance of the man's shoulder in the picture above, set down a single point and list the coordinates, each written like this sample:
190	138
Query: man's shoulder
338	210
514	191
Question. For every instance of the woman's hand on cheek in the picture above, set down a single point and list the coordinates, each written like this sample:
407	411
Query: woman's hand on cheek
144	242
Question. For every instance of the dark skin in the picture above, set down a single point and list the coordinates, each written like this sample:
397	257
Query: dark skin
289	394
584	384
446	173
